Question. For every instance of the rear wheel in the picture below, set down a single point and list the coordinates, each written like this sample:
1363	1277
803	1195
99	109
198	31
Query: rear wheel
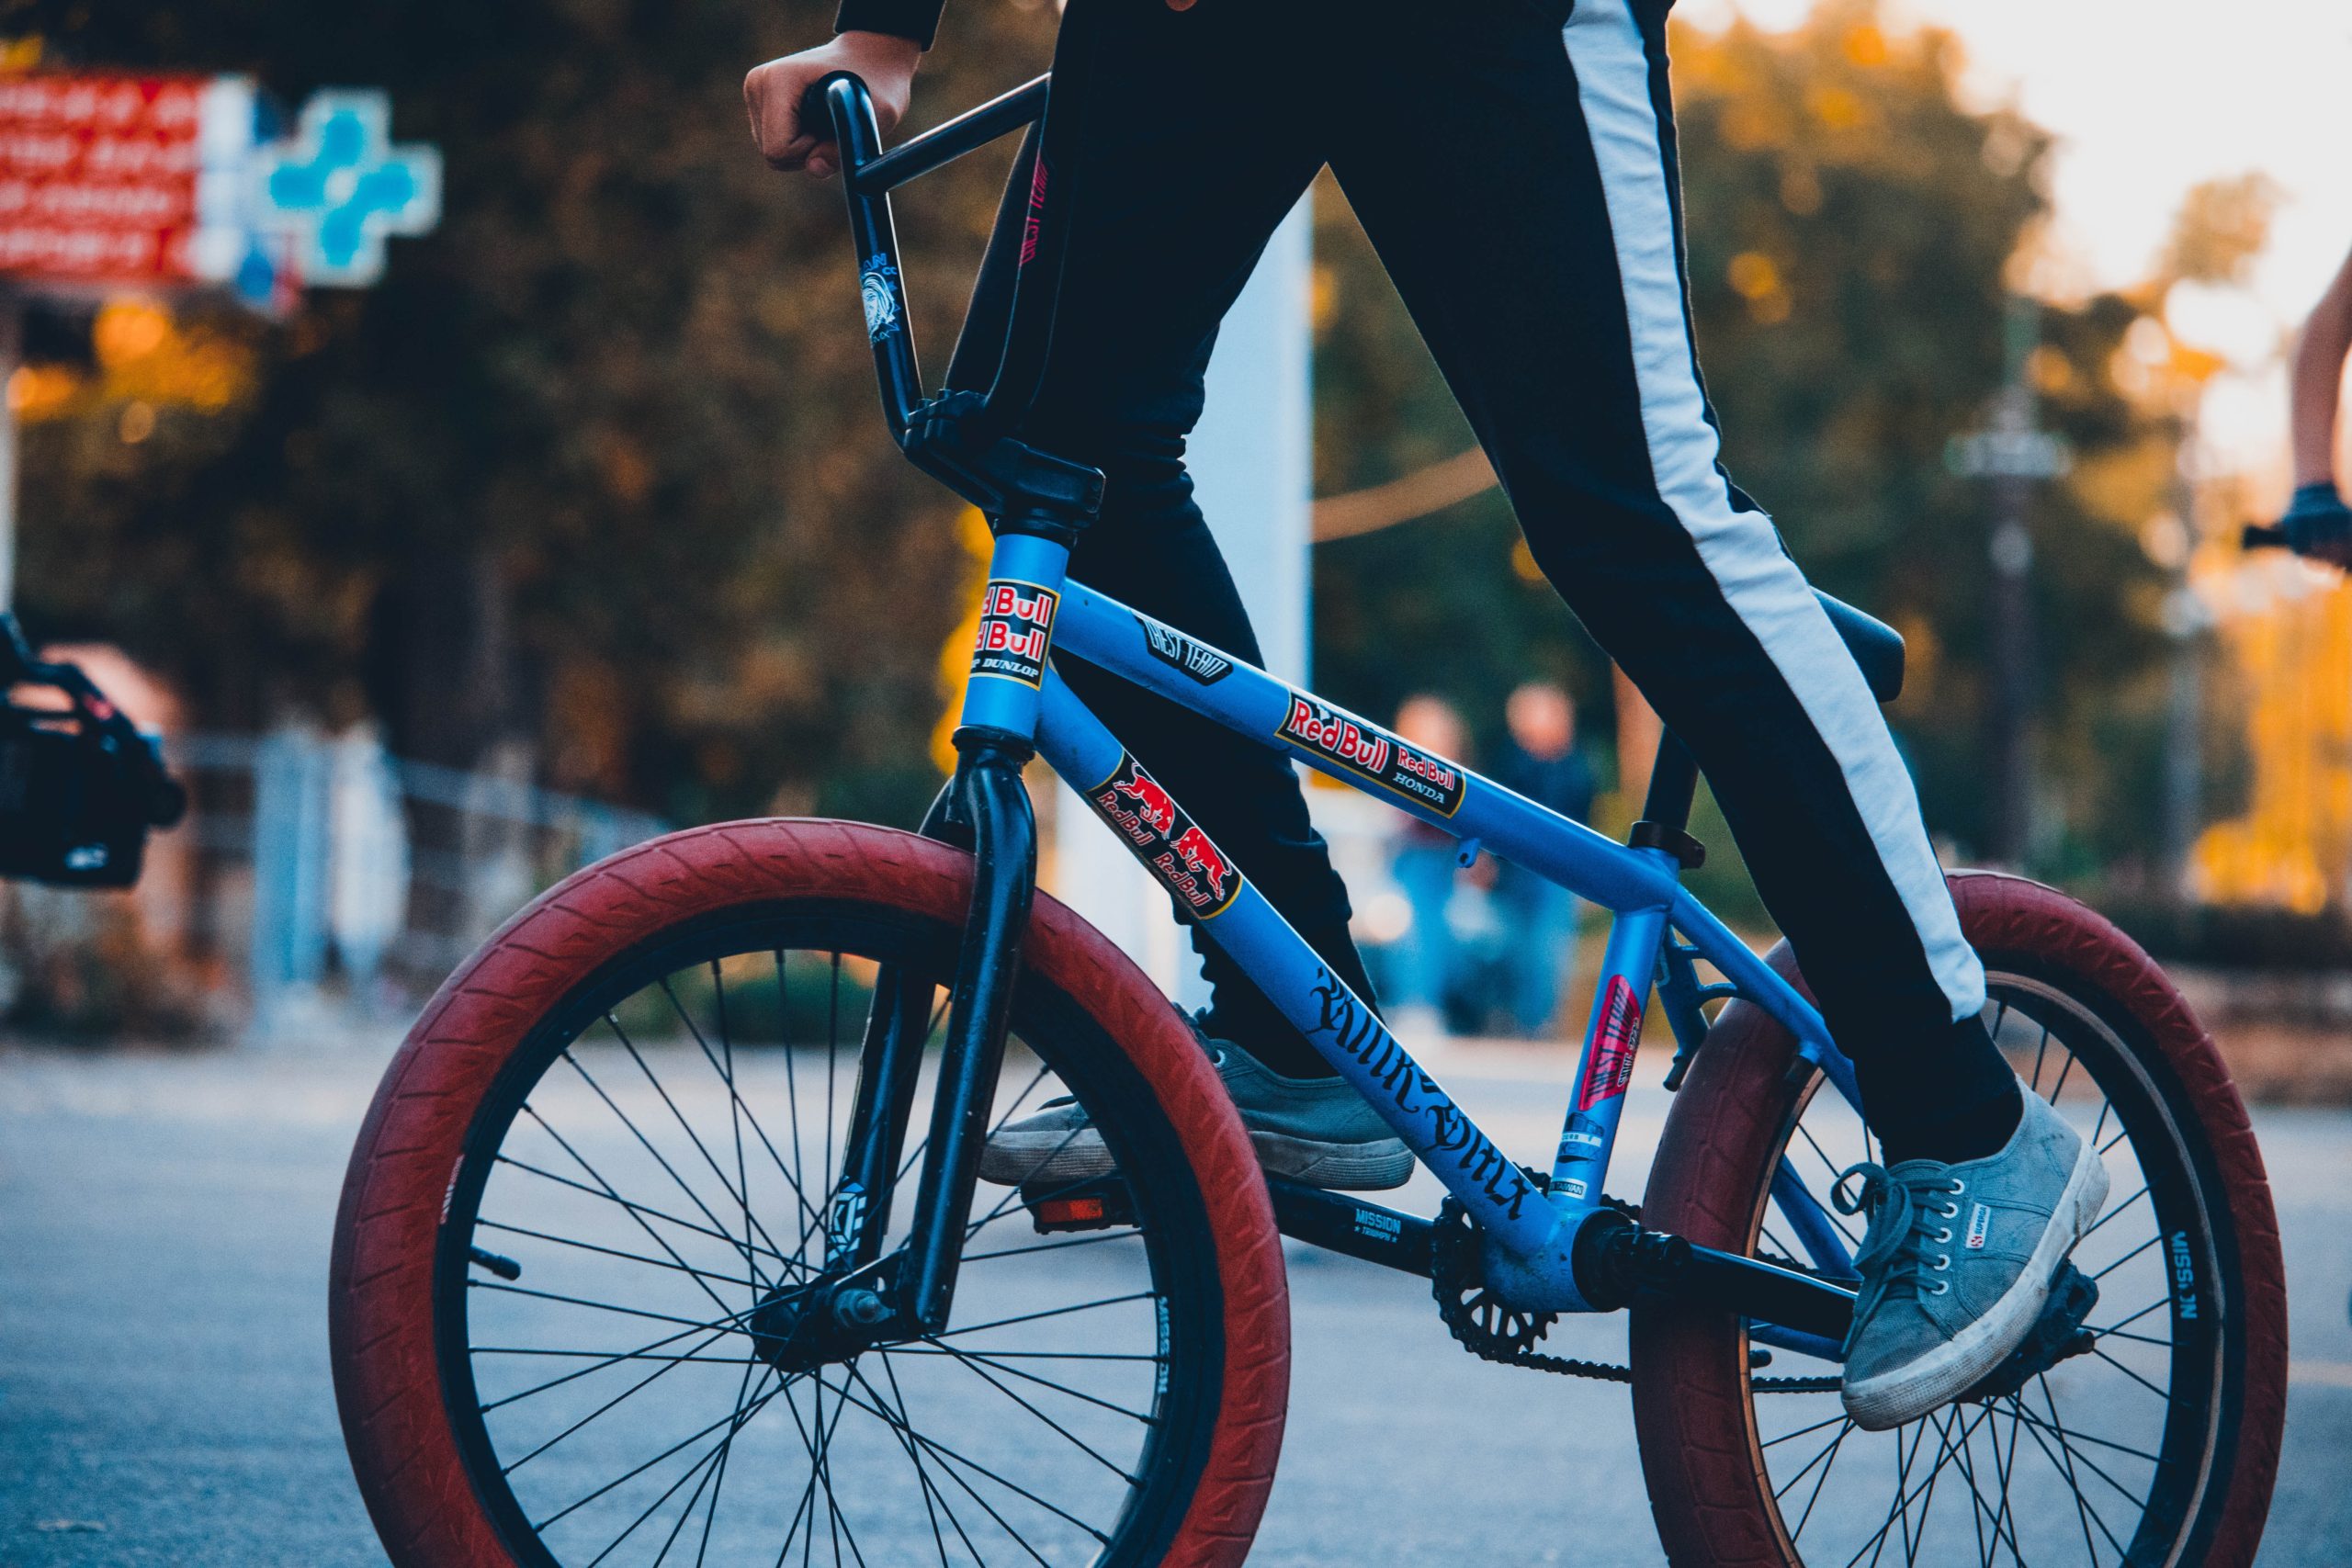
2156	1443
613	1145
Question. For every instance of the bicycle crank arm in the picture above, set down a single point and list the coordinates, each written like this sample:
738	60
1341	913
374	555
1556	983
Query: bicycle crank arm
1337	1222
1616	1259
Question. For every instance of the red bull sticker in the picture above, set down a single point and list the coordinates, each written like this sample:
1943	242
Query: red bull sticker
1371	753
1140	808
1016	630
1609	1066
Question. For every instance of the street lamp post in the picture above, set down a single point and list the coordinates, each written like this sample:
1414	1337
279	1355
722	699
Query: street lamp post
2013	455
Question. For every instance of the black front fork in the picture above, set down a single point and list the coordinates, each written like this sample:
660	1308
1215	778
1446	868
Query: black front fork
985	807
993	803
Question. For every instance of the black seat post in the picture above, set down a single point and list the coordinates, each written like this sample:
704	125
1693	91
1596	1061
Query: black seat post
1666	810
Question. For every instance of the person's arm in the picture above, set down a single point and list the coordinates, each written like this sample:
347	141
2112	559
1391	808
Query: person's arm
2317	522
2314	395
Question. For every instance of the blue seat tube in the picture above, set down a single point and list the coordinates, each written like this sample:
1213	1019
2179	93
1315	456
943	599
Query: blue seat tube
1018	609
1627	969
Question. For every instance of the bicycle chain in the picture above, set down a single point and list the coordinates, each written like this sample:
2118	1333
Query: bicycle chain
1458	1281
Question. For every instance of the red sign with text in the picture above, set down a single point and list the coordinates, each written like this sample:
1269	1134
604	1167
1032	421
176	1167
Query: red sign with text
102	177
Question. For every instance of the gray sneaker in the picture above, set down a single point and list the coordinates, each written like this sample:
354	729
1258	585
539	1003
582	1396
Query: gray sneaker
1957	1263
1313	1130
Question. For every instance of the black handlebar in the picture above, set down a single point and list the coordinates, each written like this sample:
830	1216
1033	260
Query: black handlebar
2263	536
963	436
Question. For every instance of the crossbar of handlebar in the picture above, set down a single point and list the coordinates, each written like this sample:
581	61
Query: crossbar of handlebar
944	144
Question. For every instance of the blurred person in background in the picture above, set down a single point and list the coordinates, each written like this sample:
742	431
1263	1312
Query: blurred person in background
1542	761
1426	861
2317	521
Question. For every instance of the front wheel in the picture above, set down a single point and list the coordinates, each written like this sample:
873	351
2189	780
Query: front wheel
2154	1443
613	1145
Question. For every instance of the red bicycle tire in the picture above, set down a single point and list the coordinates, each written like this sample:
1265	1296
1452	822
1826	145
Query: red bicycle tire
380	1315
1708	1485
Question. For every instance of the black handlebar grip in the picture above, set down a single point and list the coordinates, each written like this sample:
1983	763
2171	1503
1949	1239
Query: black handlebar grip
816	107
2263	536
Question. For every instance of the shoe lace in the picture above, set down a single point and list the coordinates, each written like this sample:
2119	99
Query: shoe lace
1903	1244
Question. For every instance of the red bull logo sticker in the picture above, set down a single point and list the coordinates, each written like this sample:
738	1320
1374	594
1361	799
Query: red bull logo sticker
1140	808
1016	630
1369	752
1608	1064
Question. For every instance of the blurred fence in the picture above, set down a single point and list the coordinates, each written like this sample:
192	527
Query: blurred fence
319	865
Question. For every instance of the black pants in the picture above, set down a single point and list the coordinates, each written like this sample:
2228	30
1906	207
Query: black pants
1513	162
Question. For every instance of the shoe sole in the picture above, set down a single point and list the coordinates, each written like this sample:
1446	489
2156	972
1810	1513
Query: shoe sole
1944	1374
1019	1159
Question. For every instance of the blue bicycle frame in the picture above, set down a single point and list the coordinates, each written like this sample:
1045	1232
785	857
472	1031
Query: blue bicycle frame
1550	1243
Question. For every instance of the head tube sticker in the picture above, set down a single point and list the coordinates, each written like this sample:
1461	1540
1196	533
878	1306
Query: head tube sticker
1371	753
1016	629
1140	808
1609	1066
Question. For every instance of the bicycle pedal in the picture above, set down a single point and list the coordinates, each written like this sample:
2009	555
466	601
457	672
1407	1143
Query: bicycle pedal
2057	1333
1100	1204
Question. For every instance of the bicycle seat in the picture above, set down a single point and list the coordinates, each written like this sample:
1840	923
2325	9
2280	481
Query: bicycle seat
1876	646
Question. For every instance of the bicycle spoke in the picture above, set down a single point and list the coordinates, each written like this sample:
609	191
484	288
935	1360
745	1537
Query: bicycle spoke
1128	1233
613	1359
923	1476
1034	1316
630	1204
2098	1224
1801	1431
540	1528
947	1453
2151	1306
658	1239
715	1478
736	1104
614	1252
506	1289
907	1429
2086	1511
2127	1257
658	1372
680	1117
1823	1479
735	1108
989	1358
983	1374
692	1196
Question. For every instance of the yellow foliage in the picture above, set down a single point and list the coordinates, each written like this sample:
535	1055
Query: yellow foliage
144	356
2294	847
1838	108
2124	485
955	654
1752	274
1866	45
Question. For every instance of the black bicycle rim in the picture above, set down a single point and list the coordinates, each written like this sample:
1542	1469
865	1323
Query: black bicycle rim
967	1496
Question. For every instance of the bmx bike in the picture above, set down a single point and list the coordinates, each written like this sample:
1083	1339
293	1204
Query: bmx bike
664	1240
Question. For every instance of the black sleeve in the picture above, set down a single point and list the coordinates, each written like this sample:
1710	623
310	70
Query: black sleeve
916	20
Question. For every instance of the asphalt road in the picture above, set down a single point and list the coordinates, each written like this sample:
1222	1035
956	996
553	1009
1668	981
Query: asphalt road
164	1398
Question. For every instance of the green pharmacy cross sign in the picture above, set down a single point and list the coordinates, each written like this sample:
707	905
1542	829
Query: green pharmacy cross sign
334	192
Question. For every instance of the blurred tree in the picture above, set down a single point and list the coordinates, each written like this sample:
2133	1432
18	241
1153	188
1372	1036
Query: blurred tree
593	483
